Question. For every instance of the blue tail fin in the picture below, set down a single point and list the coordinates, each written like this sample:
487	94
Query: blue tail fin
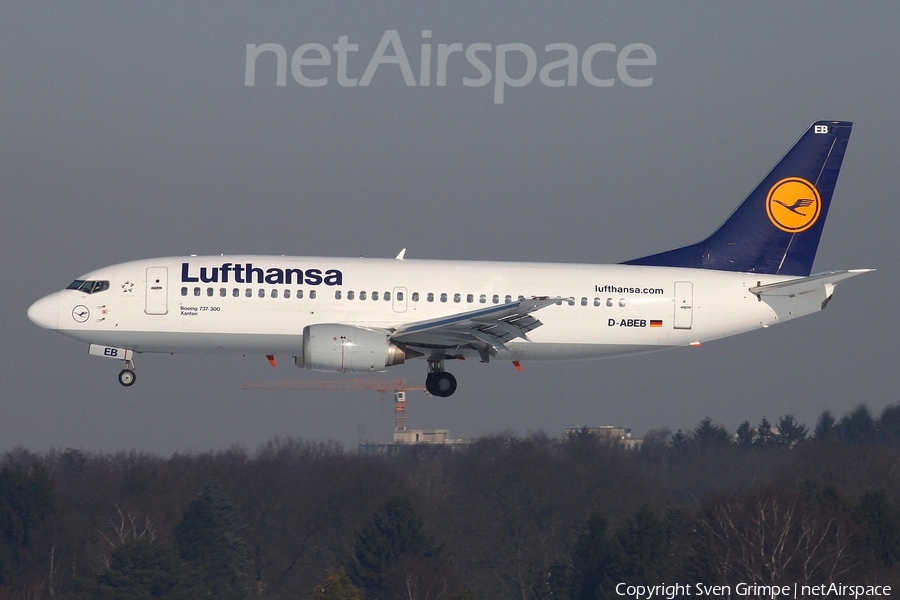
776	230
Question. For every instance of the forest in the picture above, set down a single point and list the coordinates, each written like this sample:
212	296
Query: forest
505	516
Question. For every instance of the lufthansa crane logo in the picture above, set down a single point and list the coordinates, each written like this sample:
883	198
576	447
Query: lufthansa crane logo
793	205
81	313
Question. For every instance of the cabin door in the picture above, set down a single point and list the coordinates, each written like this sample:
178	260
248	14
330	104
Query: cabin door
156	294
684	304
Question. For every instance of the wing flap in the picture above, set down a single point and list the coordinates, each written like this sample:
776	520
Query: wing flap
487	330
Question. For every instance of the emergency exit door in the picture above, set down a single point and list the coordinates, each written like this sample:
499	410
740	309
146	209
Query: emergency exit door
400	299
156	294
684	304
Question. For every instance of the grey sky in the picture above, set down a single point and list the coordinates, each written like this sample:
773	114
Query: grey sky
128	133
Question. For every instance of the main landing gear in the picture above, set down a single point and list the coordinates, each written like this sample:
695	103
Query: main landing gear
126	375
438	382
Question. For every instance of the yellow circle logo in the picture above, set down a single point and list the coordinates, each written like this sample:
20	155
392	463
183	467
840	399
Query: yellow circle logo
793	205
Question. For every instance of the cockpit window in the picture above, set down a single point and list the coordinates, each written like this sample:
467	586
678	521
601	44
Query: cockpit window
88	287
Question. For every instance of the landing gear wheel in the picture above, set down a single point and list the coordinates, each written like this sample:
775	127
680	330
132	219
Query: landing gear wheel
441	384
127	377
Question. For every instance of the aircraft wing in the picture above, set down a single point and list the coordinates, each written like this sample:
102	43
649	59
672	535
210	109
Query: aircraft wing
486	330
804	285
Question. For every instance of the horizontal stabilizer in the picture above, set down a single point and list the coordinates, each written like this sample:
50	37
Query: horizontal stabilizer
804	285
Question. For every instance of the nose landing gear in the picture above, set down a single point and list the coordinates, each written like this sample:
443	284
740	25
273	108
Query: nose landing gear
438	382
126	375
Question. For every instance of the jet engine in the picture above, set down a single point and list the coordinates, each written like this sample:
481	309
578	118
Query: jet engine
349	349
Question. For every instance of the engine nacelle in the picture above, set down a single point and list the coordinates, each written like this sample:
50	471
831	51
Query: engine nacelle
348	349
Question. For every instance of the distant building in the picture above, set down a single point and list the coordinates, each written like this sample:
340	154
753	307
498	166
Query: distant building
617	435
423	439
404	437
422	436
435	439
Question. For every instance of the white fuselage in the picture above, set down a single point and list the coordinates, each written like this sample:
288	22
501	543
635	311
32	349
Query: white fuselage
261	304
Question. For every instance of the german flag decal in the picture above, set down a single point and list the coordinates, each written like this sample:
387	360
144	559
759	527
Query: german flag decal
655	323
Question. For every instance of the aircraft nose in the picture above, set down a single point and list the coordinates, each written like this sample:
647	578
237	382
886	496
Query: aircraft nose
45	312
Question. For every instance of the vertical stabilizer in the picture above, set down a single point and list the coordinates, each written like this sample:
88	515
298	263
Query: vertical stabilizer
776	229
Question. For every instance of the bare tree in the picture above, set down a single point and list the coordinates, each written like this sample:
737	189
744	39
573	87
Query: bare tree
773	539
124	527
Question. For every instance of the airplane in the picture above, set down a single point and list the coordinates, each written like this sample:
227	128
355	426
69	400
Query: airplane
353	315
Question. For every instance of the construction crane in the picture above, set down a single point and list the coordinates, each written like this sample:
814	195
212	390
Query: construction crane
399	388
338	385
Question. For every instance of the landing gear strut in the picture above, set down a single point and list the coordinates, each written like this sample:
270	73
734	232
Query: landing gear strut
439	382
126	375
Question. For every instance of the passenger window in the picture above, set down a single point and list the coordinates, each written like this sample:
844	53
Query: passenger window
235	292
374	295
571	301
470	298
362	295
248	293
351	295
399	296
387	296
196	291
622	302
274	293
184	291
430	297
337	295
609	302
521	298
584	301
209	292
287	293
222	292
415	296
312	294
508	299
443	297
299	294
457	298
482	298
596	301
262	293
495	299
